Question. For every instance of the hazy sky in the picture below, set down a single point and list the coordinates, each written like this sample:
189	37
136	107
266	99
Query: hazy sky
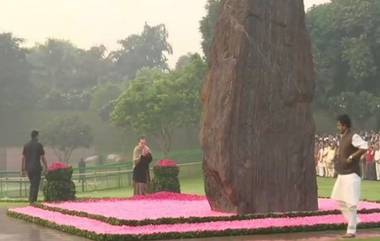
93	22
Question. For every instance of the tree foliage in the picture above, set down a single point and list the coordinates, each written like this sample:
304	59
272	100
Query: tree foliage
156	103
103	95
361	105
346	45
59	65
103	99
16	91
66	134
149	49
208	23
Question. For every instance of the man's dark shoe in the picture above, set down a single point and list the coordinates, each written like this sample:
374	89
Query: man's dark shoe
349	235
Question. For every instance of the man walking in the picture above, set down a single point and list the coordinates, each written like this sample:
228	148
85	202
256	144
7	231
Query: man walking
347	186
32	155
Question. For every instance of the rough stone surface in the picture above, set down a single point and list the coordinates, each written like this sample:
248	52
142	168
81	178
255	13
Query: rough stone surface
258	130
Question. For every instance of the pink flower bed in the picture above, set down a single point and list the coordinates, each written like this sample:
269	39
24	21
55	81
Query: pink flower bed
103	228
171	205
139	208
167	163
57	166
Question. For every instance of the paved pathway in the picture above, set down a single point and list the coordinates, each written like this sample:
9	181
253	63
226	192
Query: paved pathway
17	230
12	229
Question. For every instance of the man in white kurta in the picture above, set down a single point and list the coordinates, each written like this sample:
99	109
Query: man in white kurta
346	190
329	160
377	160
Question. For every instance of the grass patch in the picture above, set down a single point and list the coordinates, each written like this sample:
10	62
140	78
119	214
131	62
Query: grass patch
363	239
367	239
370	189
12	204
194	186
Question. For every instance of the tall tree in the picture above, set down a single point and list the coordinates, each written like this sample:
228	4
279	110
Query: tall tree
207	25
183	61
346	46
15	87
66	134
148	49
54	64
103	97
156	103
16	91
360	105
95	66
59	65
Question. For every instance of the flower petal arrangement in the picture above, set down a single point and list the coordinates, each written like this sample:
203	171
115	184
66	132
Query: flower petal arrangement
167	163
179	216
57	166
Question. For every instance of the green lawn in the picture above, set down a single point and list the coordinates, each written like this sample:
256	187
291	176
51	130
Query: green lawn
194	186
368	239
12	204
370	189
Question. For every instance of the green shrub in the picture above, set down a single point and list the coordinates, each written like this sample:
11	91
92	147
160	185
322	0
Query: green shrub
59	186
166	177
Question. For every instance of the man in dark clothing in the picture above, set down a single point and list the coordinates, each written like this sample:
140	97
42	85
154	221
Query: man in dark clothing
82	170
32	155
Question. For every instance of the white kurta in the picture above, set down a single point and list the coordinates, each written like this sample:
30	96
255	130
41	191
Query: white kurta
347	187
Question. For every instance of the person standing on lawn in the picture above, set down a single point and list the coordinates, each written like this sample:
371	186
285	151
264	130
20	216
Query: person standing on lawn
142	156
346	190
32	155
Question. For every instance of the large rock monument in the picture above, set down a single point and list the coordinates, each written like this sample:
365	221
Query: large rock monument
258	129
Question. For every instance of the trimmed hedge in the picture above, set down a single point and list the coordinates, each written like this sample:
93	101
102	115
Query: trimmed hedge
165	179
59	186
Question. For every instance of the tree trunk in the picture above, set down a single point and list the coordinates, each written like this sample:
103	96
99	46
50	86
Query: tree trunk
67	154
58	154
258	130
164	140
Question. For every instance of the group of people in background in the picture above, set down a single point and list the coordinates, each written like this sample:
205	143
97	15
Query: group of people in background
326	148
